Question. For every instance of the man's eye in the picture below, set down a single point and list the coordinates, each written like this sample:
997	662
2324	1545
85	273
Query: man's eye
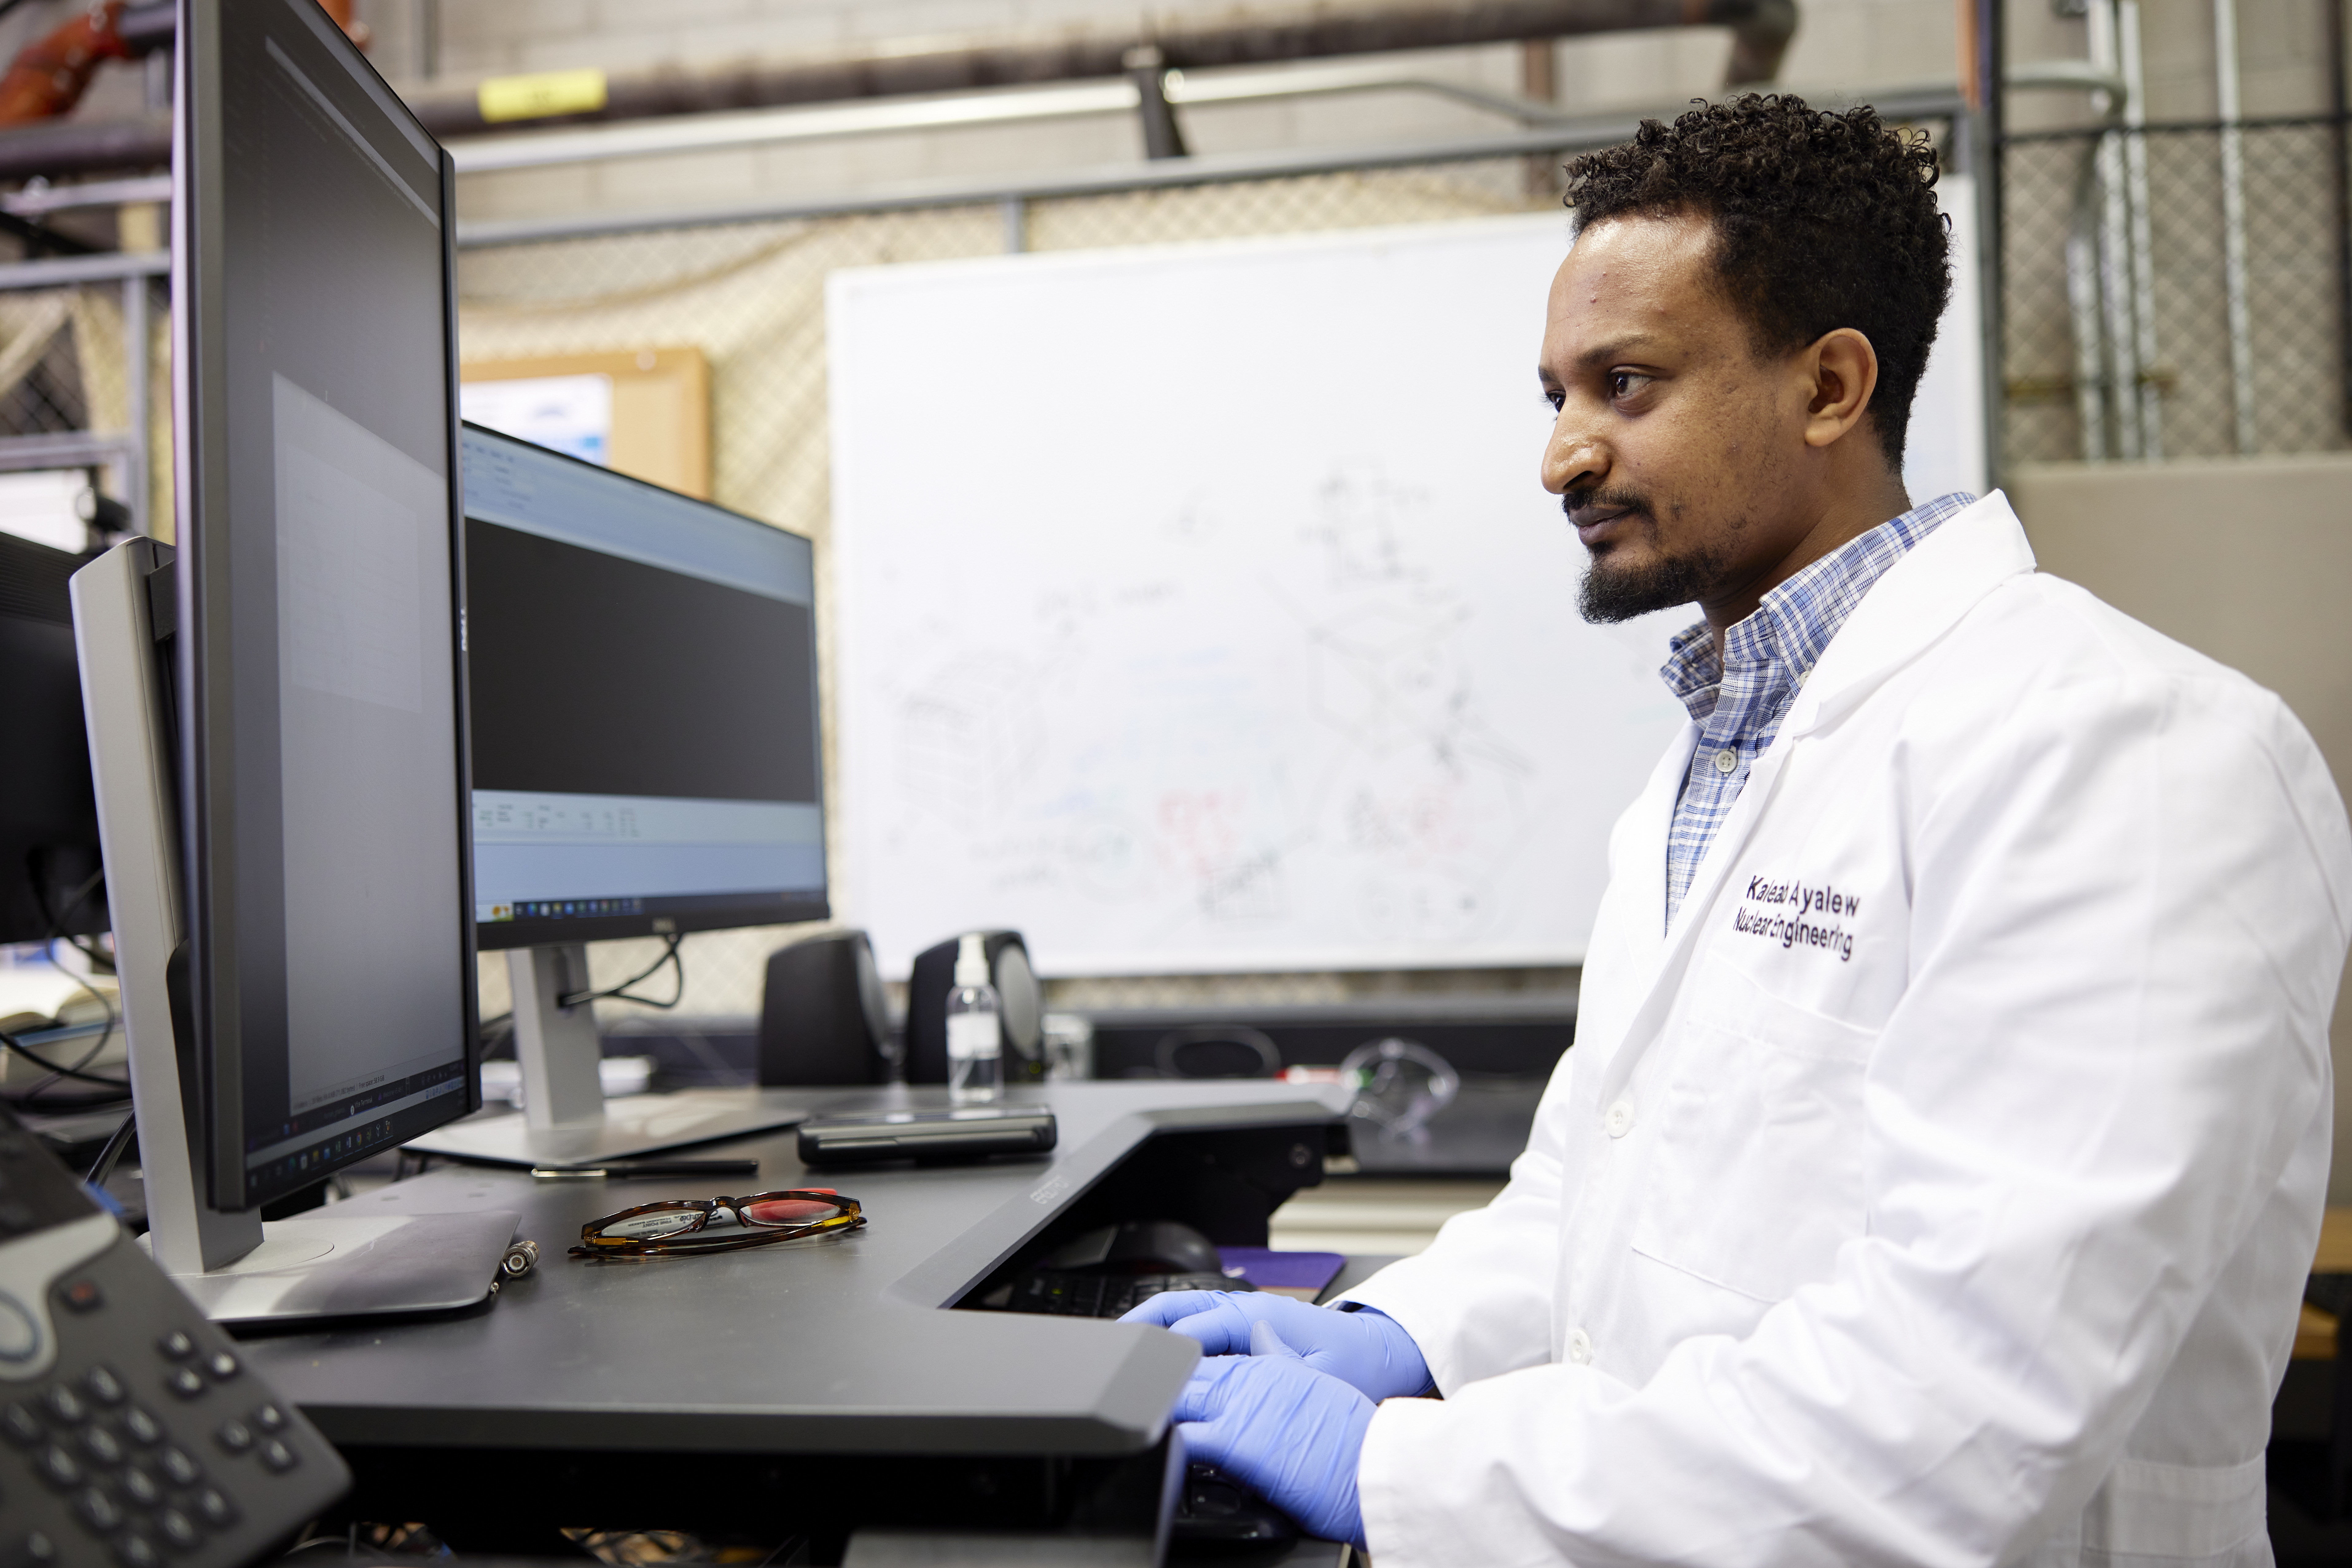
1625	383
1554	397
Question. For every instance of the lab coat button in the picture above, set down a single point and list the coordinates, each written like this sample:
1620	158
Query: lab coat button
1726	760
1579	1346
1620	1119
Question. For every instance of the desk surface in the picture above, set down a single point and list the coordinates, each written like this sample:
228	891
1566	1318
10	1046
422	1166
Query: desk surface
833	1345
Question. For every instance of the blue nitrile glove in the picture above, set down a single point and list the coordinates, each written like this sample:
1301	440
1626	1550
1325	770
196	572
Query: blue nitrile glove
1290	1434
1369	1352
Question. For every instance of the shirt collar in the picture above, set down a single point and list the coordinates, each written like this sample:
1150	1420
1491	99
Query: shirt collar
1792	625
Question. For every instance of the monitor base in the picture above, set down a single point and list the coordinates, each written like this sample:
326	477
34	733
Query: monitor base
333	1266
641	1124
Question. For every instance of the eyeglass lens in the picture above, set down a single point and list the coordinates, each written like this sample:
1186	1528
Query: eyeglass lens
762	1213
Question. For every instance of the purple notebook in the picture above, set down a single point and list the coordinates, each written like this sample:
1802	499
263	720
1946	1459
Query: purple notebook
1300	1274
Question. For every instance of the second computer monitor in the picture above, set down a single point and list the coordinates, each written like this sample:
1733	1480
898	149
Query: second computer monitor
644	712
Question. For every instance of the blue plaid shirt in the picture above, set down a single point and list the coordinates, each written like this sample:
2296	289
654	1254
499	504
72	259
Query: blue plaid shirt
1738	702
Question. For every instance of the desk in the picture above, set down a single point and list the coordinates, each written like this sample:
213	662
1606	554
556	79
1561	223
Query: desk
654	1393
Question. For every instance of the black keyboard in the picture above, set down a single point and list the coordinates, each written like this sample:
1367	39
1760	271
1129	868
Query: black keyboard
132	1432
1076	1295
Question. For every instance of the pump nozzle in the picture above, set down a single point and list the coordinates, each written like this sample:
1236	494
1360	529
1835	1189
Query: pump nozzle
972	960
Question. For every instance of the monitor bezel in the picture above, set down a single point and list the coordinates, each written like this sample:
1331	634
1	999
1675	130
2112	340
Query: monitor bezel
774	906
206	678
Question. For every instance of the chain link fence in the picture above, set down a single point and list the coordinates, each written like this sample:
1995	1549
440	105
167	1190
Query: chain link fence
2177	291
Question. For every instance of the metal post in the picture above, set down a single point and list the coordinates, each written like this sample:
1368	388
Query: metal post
2342	145
2233	220
427	20
1539	82
2114	257
1986	52
2142	290
1015	212
1162	137
2091	400
135	372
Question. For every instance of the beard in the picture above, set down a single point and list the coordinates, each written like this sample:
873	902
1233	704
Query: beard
1614	591
1612	594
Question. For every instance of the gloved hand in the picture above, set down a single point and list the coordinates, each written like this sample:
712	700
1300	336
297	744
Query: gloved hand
1290	1434
1366	1350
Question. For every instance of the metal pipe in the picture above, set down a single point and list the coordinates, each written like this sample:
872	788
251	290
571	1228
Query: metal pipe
135	366
2083	305
37	201
2064	75
106	266
1162	137
2150	395
753	128
82	147
59	449
2115	260
1908	104
1762	30
55	150
2233	221
424	16
2340	144
1987	55
1897	104
1001	106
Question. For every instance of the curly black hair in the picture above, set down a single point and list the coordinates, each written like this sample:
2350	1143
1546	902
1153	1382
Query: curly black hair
1822	220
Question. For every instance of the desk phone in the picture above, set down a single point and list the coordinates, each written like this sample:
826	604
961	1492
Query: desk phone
132	1432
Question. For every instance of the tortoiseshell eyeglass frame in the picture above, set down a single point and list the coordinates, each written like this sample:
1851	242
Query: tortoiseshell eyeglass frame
847	1216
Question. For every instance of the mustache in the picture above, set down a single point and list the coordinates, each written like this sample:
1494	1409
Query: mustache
1588	496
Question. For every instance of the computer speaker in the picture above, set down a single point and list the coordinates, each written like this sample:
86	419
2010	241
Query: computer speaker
823	1019
1017	992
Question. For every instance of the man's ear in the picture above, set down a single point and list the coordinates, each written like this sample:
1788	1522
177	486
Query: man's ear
1843	369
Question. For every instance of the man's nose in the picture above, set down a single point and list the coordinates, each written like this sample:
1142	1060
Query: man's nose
1574	457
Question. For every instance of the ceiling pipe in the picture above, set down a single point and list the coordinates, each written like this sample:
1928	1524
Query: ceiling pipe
1760	32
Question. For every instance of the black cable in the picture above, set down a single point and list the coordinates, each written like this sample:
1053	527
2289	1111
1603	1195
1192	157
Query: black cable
98	959
109	1156
57	1069
621	993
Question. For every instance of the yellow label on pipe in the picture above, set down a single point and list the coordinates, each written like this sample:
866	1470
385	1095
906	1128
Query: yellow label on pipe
544	93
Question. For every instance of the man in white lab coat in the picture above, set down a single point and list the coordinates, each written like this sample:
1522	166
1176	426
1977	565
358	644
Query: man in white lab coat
1936	1172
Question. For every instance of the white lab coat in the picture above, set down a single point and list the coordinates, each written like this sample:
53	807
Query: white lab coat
1940	1187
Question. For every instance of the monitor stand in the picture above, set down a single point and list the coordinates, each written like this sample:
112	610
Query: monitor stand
566	1121
236	1267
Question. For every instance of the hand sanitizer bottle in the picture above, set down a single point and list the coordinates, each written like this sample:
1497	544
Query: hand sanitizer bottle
975	1035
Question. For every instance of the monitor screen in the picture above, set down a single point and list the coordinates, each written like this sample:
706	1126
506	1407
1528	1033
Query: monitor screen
50	884
645	711
331	971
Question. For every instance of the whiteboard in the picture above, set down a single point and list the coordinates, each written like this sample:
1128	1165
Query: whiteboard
1199	610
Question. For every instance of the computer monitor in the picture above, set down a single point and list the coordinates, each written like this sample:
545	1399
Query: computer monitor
645	707
646	762
50	885
308	915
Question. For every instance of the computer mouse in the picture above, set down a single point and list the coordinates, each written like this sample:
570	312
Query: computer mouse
1216	1514
1140	1246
